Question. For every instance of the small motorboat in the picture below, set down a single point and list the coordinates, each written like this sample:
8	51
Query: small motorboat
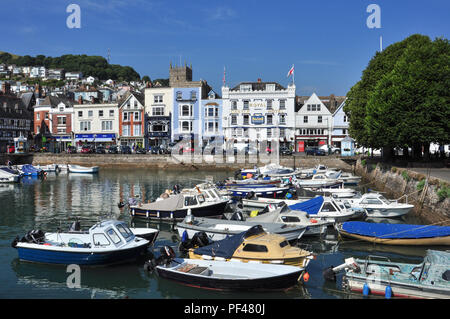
107	242
328	208
227	275
82	169
49	168
376	205
147	233
378	275
8	175
254	245
395	234
265	191
318	181
30	170
171	206
217	229
284	215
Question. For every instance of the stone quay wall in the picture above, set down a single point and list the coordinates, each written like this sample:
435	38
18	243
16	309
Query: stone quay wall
426	193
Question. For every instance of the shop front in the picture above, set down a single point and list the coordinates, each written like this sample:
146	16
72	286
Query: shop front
95	139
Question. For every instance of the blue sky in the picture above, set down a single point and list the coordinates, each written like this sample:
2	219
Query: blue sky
327	40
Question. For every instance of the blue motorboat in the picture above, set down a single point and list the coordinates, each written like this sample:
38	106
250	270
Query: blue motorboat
396	234
107	242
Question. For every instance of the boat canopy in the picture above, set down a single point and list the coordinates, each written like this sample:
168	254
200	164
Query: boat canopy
225	248
311	206
382	230
174	202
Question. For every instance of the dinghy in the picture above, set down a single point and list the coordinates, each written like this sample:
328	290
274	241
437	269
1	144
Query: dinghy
396	234
227	275
82	169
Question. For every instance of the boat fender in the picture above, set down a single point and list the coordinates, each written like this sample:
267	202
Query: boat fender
388	292
366	290
306	277
185	236
314	221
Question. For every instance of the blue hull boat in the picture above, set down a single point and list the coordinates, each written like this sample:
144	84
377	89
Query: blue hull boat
396	234
30	170
266	192
108	242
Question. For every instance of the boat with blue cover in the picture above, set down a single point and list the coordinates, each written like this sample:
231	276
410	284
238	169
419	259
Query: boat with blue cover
107	242
379	275
30	170
395	234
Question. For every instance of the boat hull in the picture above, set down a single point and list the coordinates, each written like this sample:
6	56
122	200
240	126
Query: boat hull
394	212
378	286
265	193
271	283
214	210
83	257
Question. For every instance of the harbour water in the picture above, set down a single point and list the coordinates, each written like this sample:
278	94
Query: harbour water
57	200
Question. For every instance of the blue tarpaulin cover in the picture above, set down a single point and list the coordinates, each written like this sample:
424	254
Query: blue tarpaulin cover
311	206
382	230
225	248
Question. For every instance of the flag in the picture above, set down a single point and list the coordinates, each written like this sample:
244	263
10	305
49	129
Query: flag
291	71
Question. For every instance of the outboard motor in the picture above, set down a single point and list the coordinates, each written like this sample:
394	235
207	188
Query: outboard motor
34	236
250	195
76	226
200	239
238	216
330	272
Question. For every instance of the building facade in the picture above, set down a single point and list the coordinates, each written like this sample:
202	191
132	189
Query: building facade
96	124
257	111
158	113
211	117
132	119
341	123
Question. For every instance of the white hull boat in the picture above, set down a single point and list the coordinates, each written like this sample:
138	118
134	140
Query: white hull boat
8	175
82	169
376	205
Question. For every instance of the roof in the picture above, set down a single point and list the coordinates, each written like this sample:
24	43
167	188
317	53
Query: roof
10	111
53	101
138	95
259	86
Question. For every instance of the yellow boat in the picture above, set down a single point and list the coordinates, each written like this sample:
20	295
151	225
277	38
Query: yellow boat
254	245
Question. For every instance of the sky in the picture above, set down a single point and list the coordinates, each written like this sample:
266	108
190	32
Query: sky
328	41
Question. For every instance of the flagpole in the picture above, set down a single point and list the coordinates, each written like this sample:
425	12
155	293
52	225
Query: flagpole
293	74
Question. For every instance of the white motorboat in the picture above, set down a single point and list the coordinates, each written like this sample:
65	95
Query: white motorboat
48	168
376	205
284	215
8	175
83	169
318	180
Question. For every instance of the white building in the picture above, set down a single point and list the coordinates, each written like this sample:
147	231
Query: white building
259	111
313	125
74	75
96	123
341	122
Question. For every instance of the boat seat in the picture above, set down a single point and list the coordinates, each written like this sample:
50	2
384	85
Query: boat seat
199	271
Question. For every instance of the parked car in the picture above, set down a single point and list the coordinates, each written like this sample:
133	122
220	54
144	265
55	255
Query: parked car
333	149
285	151
125	149
71	150
113	149
314	150
140	150
100	150
86	149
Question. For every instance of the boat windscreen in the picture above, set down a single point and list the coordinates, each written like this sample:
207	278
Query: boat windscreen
255	230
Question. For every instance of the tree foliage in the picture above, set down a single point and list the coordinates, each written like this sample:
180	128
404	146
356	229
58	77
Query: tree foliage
402	98
95	66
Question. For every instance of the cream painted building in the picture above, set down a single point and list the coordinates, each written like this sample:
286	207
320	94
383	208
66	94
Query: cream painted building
96	123
158	110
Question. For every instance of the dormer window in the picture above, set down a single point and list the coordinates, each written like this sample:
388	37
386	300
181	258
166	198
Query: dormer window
193	95
270	87
245	87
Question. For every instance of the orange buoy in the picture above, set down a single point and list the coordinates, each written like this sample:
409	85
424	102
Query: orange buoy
305	277
312	220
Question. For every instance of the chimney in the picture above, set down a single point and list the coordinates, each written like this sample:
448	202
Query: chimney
80	99
259	80
92	99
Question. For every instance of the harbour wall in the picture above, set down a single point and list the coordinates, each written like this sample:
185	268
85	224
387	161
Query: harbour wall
185	162
428	194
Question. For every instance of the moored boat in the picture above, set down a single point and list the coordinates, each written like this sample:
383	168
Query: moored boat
376	205
254	245
8	175
396	234
107	242
82	169
378	275
224	275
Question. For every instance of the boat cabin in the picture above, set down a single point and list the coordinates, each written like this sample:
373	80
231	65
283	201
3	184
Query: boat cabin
105	234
